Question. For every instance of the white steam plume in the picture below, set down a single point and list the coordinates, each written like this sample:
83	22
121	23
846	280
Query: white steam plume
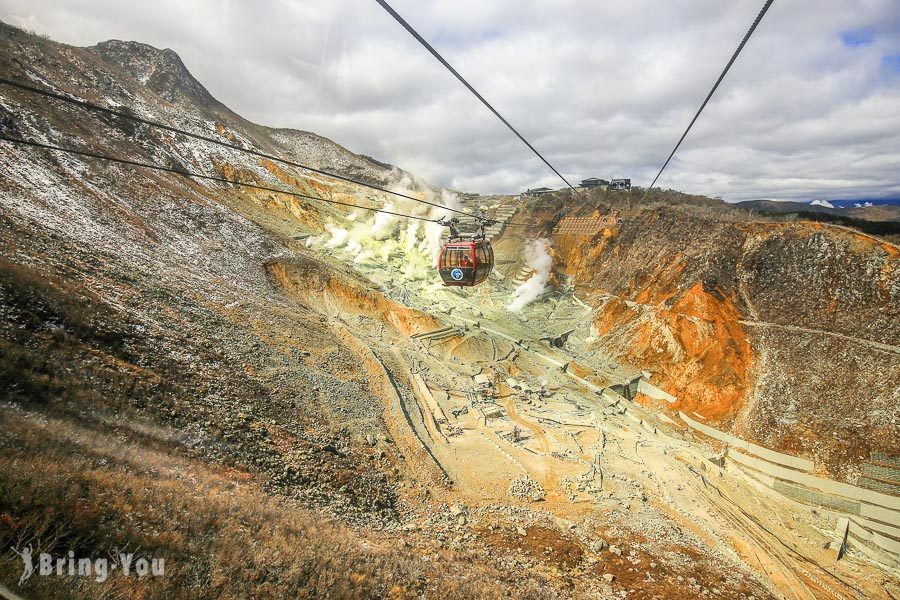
408	246
431	240
339	236
538	258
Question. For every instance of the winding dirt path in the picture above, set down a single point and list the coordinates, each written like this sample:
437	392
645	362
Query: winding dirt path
538	431
870	343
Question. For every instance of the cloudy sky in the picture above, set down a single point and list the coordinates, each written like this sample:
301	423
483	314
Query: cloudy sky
810	110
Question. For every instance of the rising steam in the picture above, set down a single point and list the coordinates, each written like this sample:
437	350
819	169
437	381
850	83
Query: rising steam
537	257
412	245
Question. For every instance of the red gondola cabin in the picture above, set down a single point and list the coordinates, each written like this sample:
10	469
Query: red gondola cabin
465	263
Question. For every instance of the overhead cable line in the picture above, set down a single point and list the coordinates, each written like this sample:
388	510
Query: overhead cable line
102	109
456	74
186	173
734	56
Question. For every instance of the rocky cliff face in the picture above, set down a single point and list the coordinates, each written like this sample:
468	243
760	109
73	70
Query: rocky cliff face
156	85
160	71
787	333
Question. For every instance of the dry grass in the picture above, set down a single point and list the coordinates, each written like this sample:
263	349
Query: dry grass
64	487
45	324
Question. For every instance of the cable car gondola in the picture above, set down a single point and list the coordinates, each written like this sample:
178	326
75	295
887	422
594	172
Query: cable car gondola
466	259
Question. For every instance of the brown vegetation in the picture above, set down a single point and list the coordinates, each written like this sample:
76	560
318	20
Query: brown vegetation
69	488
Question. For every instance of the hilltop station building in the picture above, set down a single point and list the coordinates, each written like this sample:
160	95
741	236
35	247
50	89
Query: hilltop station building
590	182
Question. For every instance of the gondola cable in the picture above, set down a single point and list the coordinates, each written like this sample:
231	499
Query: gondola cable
102	109
94	107
466	260
449	67
186	173
715	86
478	248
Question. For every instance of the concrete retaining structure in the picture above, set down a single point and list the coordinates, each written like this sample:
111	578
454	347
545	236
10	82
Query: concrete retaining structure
881	475
881	457
882	472
874	517
612	396
887	545
840	537
826	485
628	390
885	515
880	486
631	417
794	462
665	419
808	496
874	538
873	554
628	409
893	532
648	389
763	479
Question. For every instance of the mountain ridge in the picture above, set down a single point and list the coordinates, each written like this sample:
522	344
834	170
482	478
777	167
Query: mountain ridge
888	211
168	79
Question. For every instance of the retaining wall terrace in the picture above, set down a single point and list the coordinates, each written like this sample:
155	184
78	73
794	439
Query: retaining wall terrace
882	472
820	483
648	389
808	496
793	462
874	515
880	486
881	457
880	475
889	546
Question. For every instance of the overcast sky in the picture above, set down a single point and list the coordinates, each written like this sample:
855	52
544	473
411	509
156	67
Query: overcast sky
810	110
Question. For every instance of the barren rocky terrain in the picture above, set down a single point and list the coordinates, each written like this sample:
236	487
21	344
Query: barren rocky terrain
784	332
277	397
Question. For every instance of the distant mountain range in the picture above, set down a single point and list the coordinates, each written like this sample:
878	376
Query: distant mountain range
867	210
858	203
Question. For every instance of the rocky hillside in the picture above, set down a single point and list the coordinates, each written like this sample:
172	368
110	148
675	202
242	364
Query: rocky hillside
277	397
156	85
159	390
784	331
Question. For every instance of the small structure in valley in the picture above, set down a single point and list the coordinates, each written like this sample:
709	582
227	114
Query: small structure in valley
490	412
483	383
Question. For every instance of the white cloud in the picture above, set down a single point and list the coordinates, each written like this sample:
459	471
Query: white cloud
601	88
